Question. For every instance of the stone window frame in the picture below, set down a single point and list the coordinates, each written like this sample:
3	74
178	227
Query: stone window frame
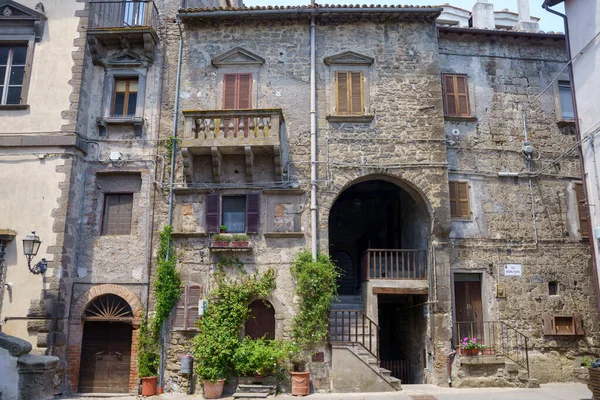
564	77
349	62
106	118
470	97
27	29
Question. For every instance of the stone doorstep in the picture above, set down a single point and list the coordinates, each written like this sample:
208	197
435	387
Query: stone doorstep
238	395
256	389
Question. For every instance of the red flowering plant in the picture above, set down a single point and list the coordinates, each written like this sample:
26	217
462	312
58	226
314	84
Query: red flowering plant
468	344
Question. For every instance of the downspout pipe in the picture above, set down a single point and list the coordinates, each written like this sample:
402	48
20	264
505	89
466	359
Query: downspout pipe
163	335
546	7
313	141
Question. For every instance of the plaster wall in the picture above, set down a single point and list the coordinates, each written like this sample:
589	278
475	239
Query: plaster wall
9	385
50	87
29	208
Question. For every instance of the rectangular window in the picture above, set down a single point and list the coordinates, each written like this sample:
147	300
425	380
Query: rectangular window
552	288
239	213
117	214
459	199
349	98
12	73
566	100
562	325
456	95
125	97
582	216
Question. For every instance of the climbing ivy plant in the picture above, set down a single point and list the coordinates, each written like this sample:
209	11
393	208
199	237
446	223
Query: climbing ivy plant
217	339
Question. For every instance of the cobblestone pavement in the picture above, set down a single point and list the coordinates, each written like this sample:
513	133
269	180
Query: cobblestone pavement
551	391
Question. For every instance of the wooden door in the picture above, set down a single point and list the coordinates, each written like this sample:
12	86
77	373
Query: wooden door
468	306
105	357
237	94
262	320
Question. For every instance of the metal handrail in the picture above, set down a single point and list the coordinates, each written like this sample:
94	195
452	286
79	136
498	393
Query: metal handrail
110	14
364	338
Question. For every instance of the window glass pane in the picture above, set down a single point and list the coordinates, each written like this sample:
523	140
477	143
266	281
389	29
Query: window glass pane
2	74
133	86
120	86
19	55
4	55
16	75
234	213
14	95
566	101
119	103
132	103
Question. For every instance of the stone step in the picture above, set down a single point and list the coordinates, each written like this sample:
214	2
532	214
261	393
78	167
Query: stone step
347	299
395	382
386	373
243	395
256	389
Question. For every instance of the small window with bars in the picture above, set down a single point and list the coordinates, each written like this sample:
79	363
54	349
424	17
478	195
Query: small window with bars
117	214
349	93
12	73
581	212
459	199
456	95
125	97
187	311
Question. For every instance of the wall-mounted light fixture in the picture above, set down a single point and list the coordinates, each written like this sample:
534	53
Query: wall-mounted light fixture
31	245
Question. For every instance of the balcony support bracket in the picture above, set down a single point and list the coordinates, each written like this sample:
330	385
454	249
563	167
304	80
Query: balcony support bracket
249	163
96	50
217	160
149	45
188	164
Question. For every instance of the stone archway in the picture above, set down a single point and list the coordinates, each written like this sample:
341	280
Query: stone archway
76	328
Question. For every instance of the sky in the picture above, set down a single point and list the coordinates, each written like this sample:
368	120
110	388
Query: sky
548	22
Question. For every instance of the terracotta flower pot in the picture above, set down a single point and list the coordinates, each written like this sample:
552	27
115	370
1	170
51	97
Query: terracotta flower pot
300	383
470	352
220	244
239	244
214	390
149	386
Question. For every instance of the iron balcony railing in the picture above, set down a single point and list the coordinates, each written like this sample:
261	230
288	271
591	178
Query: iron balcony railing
498	337
123	14
394	264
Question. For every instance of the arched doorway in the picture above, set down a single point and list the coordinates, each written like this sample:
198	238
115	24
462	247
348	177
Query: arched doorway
106	346
261	322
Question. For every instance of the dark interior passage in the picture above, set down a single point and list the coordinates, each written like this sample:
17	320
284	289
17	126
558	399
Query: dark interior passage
402	324
373	215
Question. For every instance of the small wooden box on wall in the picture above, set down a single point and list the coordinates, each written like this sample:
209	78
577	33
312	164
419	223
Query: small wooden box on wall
563	325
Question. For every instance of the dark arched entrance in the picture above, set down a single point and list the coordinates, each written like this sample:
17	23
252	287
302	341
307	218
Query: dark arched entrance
106	346
261	322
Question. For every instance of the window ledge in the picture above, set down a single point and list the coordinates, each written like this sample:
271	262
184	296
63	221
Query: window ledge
8	107
120	121
188	234
565	122
284	234
350	118
224	248
459	119
461	219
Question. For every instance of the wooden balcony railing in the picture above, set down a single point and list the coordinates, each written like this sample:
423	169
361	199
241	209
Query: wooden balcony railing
254	127
123	14
394	264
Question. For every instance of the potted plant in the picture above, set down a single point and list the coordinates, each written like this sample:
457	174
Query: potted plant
220	240
260	357
471	347
148	359
239	241
223	228
582	374
594	380
316	287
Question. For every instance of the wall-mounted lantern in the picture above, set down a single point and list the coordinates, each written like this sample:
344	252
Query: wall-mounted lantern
31	245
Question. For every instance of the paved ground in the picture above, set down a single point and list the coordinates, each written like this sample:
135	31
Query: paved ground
551	391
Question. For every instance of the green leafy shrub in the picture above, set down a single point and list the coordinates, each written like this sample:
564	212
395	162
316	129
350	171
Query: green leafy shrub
316	286
215	344
147	355
261	357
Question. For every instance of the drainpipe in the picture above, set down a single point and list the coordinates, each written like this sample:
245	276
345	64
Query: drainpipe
546	7
313	139
449	362
163	332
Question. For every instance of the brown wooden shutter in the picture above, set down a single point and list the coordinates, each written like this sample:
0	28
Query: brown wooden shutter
456	95
252	212
213	213
452	186
356	95
194	294
342	93
244	98
548	321
578	322
117	214
581	211
261	322
230	85
462	200
179	320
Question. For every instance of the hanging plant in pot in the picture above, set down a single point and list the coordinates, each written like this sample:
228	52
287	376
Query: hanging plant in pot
316	286
148	359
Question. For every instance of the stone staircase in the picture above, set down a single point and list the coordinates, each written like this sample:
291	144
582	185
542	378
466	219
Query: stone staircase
355	352
255	388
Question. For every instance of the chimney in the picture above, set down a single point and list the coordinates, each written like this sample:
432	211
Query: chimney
483	15
525	23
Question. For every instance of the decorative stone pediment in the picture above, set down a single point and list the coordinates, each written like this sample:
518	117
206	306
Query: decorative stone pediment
349	58
237	56
16	19
125	58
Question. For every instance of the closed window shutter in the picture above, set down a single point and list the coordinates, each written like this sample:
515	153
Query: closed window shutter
462	199
117	214
179	320
453	198
583	224
578	321
356	96
230	86
461	95
194	294
213	213
456	95
244	99
342	93
449	95
252	212
548	323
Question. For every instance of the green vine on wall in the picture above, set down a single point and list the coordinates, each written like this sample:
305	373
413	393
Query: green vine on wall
316	286
217	340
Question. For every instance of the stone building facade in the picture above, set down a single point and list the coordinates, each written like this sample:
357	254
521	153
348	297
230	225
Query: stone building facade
446	192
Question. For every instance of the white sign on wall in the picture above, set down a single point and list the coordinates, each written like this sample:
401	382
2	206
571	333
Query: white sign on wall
512	269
